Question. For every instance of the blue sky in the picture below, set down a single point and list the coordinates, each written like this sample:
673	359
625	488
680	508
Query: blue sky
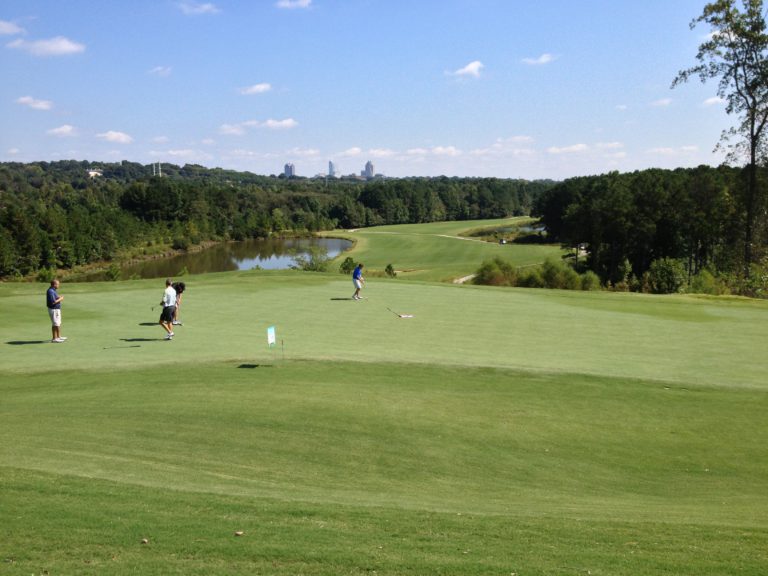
506	88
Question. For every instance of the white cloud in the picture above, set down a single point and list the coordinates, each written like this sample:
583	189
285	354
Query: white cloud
160	139
10	28
160	71
63	131
256	89
381	152
574	149
35	103
271	124
435	151
354	151
472	69
670	151
208	141
291	4
58	46
232	129
196	8
512	146
116	137
540	61
714	101
13	151
280	124
622	107
662	102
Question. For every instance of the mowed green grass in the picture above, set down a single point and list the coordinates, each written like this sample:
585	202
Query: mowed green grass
437	251
498	431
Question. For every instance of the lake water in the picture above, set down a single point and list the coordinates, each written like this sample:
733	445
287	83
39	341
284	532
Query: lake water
270	254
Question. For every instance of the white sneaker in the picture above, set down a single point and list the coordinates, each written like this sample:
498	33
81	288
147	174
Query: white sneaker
57	340
176	323
62	338
168	337
171	334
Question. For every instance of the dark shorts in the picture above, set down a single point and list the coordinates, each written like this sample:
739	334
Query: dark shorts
167	314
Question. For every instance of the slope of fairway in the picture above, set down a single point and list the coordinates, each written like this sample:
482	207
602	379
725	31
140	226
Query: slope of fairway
695	341
496	431
438	251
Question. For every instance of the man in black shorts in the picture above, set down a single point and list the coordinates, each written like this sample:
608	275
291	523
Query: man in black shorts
169	307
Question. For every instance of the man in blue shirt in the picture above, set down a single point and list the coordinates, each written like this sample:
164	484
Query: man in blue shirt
53	301
358	281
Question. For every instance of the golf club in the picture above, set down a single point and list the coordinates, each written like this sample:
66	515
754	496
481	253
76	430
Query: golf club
400	315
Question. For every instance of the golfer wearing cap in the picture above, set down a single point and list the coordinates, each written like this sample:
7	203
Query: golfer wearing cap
53	301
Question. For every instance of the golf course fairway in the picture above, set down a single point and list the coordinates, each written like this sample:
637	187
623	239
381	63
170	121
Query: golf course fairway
496	431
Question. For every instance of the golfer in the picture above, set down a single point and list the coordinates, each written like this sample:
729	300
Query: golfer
169	307
358	281
179	287
53	301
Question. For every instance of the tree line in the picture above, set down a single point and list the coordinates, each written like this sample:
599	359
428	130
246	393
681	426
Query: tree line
57	216
624	225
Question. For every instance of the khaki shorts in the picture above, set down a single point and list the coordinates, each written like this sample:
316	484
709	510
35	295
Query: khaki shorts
55	314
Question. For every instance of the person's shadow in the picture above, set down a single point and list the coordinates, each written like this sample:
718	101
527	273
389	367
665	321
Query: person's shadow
25	342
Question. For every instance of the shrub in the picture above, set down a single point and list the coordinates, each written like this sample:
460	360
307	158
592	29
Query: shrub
180	244
530	278
390	271
316	260
495	272
347	266
666	276
590	281
113	272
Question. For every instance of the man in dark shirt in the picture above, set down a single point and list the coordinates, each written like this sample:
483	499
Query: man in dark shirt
53	301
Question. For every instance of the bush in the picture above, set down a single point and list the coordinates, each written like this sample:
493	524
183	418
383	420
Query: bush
316	260
180	244
347	266
590	281
666	276
706	283
390	271
495	272
113	272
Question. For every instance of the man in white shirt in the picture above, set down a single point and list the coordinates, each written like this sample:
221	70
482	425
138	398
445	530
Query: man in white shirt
169	307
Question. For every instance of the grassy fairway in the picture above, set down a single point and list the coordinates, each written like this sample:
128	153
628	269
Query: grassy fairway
437	251
497	431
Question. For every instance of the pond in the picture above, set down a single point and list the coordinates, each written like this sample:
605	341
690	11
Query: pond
269	254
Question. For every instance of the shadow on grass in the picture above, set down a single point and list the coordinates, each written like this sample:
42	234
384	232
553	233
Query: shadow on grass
342	298
149	324
140	339
25	342
255	366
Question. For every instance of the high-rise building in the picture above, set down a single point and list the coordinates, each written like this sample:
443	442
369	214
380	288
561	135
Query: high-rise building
369	171
331	169
289	171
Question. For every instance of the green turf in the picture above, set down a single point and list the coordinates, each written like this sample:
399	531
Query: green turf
498	431
438	251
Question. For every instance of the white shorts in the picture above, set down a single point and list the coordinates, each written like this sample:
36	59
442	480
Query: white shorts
357	283
55	314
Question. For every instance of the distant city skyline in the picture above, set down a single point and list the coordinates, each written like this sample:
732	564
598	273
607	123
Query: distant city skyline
509	89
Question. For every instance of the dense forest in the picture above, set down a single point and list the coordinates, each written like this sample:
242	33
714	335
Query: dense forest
59	215
688	220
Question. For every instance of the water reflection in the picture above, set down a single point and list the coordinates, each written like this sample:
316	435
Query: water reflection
270	254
